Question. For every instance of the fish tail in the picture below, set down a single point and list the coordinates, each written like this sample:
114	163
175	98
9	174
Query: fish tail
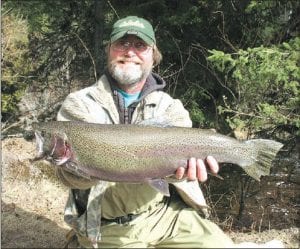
264	153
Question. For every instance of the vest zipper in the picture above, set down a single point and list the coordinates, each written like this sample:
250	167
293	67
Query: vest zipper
126	116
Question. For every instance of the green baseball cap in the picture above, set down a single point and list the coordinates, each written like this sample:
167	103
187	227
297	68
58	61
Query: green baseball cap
133	25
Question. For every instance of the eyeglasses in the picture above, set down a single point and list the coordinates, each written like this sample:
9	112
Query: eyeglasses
124	45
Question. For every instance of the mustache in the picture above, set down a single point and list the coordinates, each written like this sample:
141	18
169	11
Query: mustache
121	60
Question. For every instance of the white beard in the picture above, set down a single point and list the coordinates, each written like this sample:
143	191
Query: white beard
127	75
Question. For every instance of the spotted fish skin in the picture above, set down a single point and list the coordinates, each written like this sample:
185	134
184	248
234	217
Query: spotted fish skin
137	153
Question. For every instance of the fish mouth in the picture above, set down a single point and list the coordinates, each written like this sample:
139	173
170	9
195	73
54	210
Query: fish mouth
39	145
58	150
40	152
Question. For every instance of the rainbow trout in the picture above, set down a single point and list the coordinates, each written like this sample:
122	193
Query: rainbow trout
138	153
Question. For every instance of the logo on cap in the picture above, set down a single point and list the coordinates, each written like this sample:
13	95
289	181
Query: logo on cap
132	23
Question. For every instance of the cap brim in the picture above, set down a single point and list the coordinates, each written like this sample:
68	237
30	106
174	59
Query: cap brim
139	34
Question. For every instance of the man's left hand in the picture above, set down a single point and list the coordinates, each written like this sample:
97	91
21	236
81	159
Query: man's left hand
197	169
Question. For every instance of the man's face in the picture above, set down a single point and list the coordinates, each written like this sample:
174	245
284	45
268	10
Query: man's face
130	60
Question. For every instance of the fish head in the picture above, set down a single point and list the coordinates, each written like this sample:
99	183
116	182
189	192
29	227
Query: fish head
52	146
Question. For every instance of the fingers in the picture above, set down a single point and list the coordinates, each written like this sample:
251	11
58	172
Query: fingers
198	169
192	169
201	170
180	172
212	164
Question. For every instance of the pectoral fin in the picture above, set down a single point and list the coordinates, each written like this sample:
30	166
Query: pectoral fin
160	185
192	194
75	168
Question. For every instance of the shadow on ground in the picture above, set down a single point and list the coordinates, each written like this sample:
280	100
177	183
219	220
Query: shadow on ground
22	229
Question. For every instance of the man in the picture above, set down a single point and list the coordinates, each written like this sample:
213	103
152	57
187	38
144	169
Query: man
134	215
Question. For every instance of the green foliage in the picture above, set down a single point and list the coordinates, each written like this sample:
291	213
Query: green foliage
15	64
197	114
265	82
271	19
223	62
66	42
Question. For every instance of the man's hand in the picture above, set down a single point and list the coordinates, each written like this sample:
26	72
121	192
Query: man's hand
197	169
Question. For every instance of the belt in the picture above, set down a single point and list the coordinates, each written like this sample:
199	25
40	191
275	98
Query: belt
121	219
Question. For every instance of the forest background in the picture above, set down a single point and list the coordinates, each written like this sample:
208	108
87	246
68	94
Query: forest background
233	63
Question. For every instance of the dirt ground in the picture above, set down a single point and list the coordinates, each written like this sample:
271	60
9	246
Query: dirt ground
33	201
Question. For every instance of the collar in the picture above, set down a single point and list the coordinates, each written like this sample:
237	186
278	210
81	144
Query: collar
103	95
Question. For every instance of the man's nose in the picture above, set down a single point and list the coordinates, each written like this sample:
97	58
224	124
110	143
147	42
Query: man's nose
130	51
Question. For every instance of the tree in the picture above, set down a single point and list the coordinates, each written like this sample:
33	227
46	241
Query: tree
14	64
67	41
265	89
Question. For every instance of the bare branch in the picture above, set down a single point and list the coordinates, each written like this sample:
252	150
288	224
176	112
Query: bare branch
112	7
91	57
